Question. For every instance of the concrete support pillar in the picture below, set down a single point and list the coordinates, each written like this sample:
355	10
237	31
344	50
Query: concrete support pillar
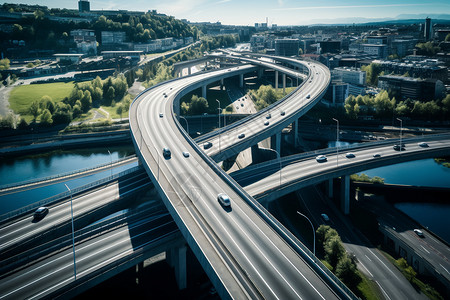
189	70
221	84
241	80
204	91
295	133
330	188
176	257
260	73
345	194
276	142
284	84
276	80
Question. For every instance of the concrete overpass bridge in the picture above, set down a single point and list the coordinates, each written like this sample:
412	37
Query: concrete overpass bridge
244	250
272	179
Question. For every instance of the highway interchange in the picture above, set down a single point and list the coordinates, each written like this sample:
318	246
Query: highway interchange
249	257
248	254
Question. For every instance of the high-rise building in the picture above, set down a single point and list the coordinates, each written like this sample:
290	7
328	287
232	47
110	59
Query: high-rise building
84	6
427	29
287	47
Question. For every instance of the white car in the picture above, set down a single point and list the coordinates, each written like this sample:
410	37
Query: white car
321	158
185	154
224	199
419	232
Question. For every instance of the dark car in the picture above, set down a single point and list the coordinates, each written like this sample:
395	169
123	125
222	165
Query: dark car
398	148
241	136
167	153
207	145
40	212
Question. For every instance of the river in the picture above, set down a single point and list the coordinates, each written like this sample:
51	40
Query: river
425	172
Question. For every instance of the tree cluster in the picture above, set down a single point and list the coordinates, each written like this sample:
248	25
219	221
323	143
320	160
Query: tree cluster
197	106
373	71
264	96
383	107
343	265
427	49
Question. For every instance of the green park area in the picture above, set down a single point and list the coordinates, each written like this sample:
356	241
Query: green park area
22	96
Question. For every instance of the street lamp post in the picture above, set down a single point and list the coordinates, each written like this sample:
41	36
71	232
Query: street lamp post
337	141
401	132
110	158
314	232
219	122
187	124
279	159
73	235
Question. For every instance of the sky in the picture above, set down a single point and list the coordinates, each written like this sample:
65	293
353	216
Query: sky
280	12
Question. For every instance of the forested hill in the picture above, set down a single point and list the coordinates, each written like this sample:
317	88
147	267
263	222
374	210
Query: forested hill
41	27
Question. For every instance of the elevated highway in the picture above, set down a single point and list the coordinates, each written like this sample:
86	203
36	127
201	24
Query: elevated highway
245	251
264	182
102	251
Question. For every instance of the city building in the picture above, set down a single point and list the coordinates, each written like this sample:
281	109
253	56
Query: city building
83	6
337	92
329	46
86	41
427	32
418	67
113	37
73	58
377	40
257	43
377	50
403	46
349	75
412	88
287	47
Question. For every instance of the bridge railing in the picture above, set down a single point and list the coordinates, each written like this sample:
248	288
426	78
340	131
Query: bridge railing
128	216
287	160
49	178
52	200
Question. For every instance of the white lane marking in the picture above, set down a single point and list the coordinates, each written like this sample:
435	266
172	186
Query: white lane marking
367	257
444	269
425	249
384	292
382	263
366	268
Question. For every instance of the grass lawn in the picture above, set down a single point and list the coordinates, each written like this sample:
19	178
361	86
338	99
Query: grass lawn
22	96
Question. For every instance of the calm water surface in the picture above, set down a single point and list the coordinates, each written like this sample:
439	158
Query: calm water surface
425	172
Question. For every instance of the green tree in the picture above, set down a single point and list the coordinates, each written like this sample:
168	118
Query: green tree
447	38
110	94
198	105
62	114
86	101
46	117
119	110
428	48
347	272
333	250
35	109
46	102
372	72
4	64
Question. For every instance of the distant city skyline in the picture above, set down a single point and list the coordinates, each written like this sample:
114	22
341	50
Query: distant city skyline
280	12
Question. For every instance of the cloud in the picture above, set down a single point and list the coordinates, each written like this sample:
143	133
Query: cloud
352	6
